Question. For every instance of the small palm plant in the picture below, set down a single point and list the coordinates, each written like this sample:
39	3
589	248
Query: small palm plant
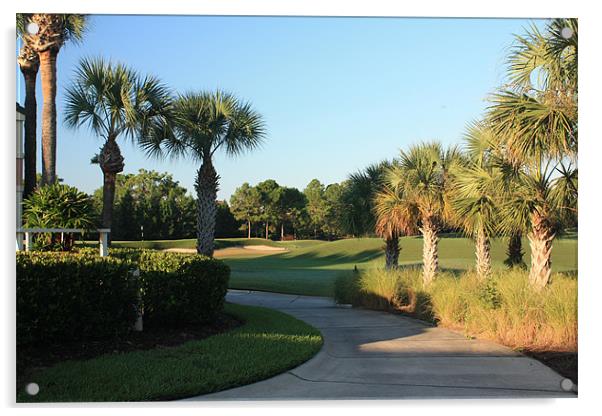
476	195
204	123
424	172
58	206
114	101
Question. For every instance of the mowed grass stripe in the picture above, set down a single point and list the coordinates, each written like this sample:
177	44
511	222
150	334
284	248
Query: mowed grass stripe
310	267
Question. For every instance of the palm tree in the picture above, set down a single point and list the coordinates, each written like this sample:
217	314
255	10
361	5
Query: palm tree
114	101
29	63
360	189
204	123
367	209
476	195
536	123
424	173
395	215
53	31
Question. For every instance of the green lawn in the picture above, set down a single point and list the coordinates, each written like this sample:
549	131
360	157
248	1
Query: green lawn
310	267
269	343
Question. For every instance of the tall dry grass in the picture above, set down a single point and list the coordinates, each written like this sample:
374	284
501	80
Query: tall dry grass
503	308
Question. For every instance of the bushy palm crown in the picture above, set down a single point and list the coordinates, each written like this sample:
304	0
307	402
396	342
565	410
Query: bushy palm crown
477	186
360	190
112	99
537	112
202	123
61	28
423	174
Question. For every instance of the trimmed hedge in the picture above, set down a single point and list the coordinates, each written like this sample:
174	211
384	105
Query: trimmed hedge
80	295
181	288
69	297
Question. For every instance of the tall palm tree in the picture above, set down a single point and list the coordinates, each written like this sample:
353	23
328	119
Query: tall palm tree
475	195
53	31
204	123
114	101
29	63
536	123
424	173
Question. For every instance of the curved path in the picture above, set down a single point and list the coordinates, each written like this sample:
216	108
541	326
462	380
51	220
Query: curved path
377	355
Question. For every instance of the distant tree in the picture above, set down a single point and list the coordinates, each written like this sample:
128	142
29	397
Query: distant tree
226	225
291	204
269	192
316	205
245	204
358	198
334	224
151	201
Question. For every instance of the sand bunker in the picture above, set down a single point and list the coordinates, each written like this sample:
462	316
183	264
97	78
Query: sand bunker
233	251
264	248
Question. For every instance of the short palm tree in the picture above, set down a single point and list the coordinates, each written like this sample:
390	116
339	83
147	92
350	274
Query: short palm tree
476	195
204	123
53	31
424	172
395	216
114	101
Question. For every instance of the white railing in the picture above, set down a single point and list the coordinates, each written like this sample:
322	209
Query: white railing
25	234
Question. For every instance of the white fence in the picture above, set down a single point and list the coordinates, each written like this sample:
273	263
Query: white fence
24	236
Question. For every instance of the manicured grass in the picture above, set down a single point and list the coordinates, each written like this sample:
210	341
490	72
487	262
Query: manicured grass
310	267
269	343
191	243
313	266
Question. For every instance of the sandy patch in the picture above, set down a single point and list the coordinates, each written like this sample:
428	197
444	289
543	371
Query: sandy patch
181	250
264	248
234	251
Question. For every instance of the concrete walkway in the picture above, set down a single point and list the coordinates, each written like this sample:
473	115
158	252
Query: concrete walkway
377	355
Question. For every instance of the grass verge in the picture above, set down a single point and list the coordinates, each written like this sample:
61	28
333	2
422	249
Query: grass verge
268	343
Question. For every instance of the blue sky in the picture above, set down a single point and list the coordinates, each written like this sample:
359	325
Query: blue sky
336	93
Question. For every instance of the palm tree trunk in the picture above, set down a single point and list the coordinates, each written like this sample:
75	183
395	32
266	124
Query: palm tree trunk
249	229
206	189
514	252
392	252
540	240
483	253
48	73
430	252
282	231
111	163
30	181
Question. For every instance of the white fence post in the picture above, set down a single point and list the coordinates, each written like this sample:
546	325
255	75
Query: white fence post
138	325
27	241
104	243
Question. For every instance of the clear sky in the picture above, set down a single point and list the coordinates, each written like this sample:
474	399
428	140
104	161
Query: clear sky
336	93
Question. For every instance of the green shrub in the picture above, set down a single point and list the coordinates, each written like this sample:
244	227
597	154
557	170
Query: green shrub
57	206
68	297
346	288
181	289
